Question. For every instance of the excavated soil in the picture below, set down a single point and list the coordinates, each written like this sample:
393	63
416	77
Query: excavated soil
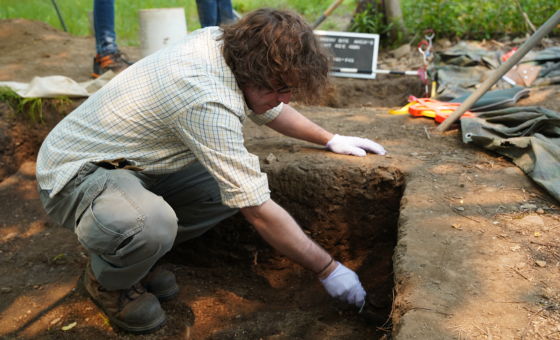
432	272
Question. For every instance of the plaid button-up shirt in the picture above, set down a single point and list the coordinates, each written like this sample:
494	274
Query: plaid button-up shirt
162	114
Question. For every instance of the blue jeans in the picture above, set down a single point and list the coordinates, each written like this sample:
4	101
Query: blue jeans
104	23
214	12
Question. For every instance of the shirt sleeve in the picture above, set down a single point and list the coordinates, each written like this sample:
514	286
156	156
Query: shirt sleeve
266	117
214	134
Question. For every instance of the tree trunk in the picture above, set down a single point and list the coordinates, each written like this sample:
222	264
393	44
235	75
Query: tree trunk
393	13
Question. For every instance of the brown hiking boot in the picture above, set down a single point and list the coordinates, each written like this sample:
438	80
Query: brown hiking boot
133	309
161	283
114	62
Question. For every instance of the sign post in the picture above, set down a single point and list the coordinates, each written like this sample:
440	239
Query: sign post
354	54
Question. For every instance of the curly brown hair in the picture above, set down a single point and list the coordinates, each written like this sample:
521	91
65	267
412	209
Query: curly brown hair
268	46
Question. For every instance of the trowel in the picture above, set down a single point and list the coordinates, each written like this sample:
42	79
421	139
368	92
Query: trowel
370	317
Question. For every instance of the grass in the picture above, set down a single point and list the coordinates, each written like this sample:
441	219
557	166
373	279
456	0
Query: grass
478	19
467	19
32	108
75	13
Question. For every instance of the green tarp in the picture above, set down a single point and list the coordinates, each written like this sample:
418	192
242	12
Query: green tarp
465	65
530	136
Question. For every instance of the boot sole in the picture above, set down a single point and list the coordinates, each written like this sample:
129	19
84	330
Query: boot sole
167	295
150	328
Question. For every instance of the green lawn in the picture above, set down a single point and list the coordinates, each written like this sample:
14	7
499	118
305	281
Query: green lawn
75	13
468	19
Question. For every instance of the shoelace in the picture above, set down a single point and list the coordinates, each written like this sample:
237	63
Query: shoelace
126	293
114	58
121	55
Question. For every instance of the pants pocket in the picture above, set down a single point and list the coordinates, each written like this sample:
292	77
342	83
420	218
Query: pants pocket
109	220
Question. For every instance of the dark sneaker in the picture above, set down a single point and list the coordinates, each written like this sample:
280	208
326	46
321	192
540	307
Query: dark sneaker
96	66
114	62
161	283
133	309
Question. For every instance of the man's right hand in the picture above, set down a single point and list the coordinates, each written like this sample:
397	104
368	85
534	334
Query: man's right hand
345	285
280	230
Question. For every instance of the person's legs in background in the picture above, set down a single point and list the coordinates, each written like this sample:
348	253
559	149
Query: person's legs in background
214	12
207	12
108	56
225	11
104	23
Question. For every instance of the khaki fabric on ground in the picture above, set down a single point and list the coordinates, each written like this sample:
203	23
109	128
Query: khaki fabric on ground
466	65
58	86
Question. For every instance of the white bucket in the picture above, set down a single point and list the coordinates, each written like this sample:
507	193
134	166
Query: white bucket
91	23
160	27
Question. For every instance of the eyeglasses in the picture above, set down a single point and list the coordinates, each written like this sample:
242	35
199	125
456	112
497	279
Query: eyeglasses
284	89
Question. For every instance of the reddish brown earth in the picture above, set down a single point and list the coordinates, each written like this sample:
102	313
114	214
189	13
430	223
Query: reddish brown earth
441	274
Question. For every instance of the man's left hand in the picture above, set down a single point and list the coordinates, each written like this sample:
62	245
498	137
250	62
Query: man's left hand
345	285
346	145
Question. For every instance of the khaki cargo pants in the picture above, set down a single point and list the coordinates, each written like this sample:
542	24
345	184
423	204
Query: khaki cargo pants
127	220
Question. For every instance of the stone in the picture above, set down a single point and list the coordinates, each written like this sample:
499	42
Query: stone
414	154
270	159
461	209
6	290
530	220
519	40
528	207
391	61
513	171
540	211
445	43
401	51
541	263
295	148
249	247
520	265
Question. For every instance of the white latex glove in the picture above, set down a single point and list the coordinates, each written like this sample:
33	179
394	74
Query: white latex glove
346	145
345	285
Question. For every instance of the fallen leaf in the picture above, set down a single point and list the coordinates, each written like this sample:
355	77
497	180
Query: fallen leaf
537	234
456	225
461	201
58	256
105	320
541	263
70	326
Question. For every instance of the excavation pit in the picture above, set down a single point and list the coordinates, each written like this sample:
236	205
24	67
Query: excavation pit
240	287
383	91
